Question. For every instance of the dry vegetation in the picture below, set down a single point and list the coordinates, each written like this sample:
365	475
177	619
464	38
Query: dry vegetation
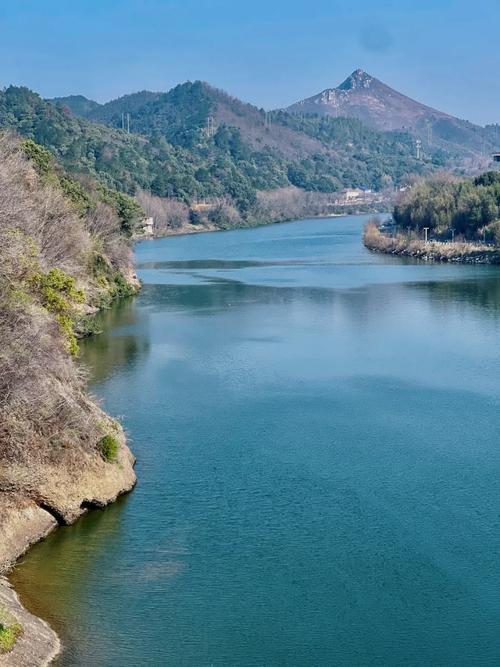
56	261
291	203
404	245
172	216
169	215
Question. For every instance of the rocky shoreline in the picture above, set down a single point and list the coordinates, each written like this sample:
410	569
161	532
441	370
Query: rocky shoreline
65	495
38	645
430	251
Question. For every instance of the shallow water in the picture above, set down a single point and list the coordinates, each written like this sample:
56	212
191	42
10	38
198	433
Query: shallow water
317	432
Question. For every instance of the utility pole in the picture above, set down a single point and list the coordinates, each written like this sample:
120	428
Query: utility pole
418	146
123	121
452	234
426	229
210	126
128	123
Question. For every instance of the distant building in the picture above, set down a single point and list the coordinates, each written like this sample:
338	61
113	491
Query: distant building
352	193
496	157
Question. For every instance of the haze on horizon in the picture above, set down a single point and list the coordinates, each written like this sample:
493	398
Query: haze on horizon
441	52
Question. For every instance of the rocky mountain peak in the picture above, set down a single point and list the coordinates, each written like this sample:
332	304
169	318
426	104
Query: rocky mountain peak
358	79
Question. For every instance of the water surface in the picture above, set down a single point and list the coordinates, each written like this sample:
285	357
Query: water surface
317	433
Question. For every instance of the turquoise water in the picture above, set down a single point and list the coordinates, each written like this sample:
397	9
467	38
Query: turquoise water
317	433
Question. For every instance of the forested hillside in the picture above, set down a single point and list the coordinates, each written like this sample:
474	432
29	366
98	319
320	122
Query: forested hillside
269	149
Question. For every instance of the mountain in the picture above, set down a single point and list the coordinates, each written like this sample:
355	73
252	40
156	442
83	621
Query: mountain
110	113
120	160
197	143
77	104
188	111
268	149
378	105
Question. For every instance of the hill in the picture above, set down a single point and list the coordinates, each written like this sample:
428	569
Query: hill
196	144
265	150
77	104
378	105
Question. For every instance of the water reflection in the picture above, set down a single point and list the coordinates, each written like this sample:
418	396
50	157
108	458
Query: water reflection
482	292
76	551
120	342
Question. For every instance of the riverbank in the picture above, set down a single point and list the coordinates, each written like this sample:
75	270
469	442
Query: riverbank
430	251
189	228
65	254
68	493
38	644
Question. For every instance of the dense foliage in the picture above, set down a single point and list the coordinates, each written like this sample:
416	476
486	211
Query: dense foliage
208	145
470	207
84	198
367	158
346	153
197	143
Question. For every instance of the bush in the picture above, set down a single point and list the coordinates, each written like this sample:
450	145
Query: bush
9	634
109	446
40	156
58	294
122	288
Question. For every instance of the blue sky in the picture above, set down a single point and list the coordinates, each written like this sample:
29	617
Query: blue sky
445	53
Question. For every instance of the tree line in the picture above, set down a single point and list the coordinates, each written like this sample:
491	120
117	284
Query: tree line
453	207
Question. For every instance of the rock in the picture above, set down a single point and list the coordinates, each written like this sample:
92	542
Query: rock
38	645
50	495
22	523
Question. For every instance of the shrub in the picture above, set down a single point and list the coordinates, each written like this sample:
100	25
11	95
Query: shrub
58	293
45	246
109	446
9	635
75	192
58	282
122	287
40	156
86	325
126	208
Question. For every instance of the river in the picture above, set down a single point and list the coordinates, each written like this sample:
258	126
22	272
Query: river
317	434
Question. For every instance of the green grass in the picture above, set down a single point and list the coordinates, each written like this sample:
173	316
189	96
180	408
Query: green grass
109	447
10	631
